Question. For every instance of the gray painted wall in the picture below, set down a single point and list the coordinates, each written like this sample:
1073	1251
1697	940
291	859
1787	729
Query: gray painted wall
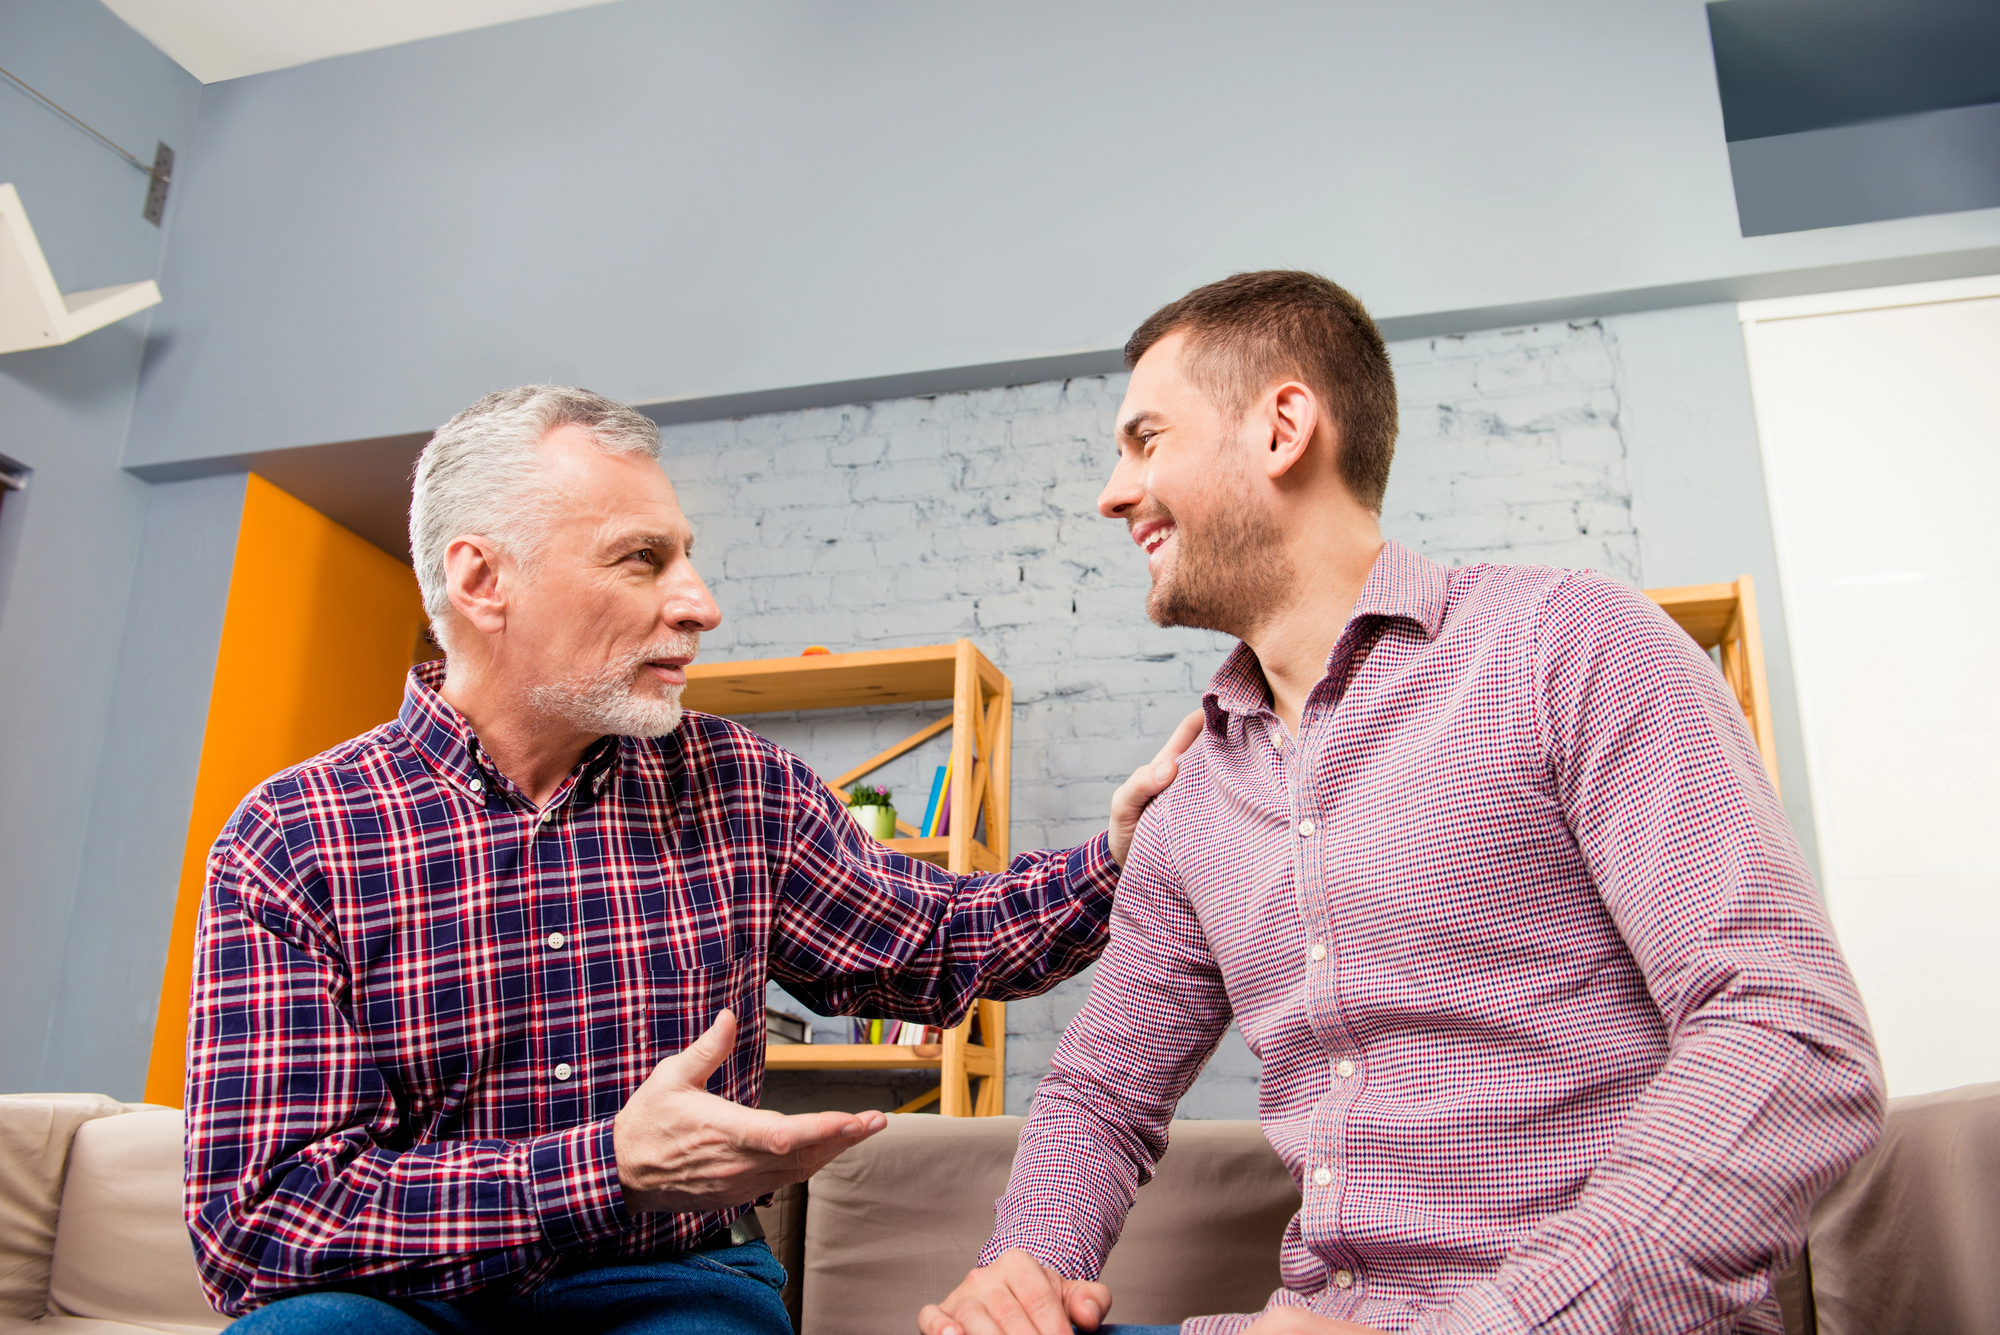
662	199
1698	498
115	946
659	198
1621	445
70	545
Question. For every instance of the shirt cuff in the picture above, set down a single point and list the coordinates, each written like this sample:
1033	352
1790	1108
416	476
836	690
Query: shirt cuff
573	1185
1064	1264
1043	1234
1092	866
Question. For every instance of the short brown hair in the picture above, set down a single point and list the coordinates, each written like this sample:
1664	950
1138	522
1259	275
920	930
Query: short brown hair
1252	329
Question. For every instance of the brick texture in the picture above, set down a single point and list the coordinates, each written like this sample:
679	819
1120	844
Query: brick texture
918	521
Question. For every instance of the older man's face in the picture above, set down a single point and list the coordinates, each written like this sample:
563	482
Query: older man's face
615	609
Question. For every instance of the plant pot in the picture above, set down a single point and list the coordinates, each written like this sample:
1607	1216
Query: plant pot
878	821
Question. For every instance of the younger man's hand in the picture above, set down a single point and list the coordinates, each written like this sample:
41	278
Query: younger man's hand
680	1147
1148	782
1017	1295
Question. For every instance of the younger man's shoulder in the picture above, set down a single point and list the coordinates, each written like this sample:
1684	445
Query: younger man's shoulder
1543	601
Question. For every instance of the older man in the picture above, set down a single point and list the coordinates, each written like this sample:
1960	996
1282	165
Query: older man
1484	864
464	1053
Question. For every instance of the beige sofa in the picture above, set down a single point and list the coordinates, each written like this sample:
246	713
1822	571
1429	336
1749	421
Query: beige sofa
92	1243
91	1240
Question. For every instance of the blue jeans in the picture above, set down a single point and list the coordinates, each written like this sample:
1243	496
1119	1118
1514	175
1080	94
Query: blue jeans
714	1291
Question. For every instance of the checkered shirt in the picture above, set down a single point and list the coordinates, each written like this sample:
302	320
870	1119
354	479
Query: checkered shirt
418	1001
1555	1035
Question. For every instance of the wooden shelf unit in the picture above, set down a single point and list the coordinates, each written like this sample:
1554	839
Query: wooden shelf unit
981	723
1724	617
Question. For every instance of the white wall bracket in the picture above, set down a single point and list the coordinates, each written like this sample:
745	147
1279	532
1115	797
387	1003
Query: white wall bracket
33	314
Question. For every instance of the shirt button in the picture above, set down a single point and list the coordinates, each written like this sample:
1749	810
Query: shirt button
563	1071
1343	1068
477	785
1322	1176
1343	1279
1318	952
1306	827
556	940
548	815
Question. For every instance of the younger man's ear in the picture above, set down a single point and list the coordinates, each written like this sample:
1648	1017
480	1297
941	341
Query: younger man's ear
475	583
1293	418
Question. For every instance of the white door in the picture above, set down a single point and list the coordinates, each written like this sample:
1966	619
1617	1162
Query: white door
1880	418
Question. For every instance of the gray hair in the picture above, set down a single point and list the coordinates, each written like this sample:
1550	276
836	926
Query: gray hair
481	473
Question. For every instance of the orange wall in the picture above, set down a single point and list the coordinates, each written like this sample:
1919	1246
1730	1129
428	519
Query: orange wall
317	637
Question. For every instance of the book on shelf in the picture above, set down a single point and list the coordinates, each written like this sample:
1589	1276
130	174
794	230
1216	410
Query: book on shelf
908	1033
938	780
785	1027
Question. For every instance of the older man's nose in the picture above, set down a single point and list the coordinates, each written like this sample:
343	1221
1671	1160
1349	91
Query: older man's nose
690	606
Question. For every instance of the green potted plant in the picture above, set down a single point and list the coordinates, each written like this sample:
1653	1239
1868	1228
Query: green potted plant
871	810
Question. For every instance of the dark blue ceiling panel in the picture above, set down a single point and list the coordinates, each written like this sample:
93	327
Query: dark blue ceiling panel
1786	66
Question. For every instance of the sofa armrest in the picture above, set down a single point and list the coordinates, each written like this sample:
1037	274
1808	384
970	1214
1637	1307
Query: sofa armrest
35	1135
1907	1240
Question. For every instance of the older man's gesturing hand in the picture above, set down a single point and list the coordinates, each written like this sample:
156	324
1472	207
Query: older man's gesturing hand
680	1147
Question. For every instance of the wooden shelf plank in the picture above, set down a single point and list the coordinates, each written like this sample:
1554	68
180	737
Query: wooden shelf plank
937	849
823	681
1704	611
852	1056
871	1057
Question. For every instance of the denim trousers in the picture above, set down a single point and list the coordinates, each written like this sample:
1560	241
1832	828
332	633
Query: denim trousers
711	1291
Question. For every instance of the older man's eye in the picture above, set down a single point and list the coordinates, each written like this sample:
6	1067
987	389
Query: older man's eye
644	554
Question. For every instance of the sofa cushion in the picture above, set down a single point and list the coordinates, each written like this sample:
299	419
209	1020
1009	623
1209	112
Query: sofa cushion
896	1222
122	1251
35	1133
1907	1240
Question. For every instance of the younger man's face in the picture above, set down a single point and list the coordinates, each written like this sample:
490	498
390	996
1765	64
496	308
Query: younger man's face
1185	489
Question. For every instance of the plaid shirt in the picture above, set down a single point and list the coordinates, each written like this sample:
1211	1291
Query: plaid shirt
1555	1035
418	1001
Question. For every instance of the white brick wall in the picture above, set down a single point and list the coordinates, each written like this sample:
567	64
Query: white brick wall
917	521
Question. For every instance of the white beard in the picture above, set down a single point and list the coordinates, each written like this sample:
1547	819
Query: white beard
610	700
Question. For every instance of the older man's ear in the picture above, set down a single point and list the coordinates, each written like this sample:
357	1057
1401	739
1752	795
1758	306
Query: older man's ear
475	583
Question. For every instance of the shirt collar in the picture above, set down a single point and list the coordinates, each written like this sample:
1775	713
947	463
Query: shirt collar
1401	586
445	740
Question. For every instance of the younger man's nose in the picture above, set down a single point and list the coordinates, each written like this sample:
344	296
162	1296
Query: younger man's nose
1120	494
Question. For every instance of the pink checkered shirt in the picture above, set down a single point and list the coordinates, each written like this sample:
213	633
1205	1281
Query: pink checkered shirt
1554	1032
418	1002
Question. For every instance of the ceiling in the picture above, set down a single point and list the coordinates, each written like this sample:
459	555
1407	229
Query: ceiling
226	39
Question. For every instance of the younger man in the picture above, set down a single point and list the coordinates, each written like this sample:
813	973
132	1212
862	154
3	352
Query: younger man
1484	864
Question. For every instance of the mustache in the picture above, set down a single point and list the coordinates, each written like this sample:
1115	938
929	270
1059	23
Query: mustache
679	644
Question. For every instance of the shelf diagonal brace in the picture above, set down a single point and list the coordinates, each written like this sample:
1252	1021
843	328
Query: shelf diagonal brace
873	763
922	1101
910	743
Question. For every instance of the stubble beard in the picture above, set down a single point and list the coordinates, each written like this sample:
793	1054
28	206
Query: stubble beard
611	701
1228	574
